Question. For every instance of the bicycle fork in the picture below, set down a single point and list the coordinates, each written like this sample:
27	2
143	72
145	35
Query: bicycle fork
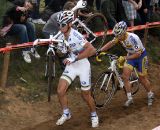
104	80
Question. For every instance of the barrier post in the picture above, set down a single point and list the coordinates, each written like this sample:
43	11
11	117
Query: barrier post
145	35
5	67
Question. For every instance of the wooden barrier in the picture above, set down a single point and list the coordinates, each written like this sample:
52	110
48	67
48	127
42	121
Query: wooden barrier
6	61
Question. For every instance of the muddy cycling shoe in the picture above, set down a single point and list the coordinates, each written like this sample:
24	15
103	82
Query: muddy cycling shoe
35	53
26	56
150	99
63	119
128	102
95	121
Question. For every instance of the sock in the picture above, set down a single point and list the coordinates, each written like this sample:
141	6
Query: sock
93	114
150	93
66	111
129	96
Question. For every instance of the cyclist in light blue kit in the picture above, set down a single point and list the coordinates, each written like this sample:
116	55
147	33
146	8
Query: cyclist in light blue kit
136	57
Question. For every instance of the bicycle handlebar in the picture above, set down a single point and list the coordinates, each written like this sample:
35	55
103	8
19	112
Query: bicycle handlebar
111	56
52	39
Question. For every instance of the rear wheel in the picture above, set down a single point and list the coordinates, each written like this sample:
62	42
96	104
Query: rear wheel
97	23
104	89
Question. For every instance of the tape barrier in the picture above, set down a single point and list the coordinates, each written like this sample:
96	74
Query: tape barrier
19	46
98	34
134	28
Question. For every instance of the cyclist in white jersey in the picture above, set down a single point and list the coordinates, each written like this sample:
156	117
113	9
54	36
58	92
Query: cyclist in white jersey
77	64
136	57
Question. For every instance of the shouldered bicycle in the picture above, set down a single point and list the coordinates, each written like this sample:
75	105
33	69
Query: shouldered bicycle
50	68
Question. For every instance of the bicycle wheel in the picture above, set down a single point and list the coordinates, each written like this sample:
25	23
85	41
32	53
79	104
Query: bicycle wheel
97	23
104	89
51	71
134	83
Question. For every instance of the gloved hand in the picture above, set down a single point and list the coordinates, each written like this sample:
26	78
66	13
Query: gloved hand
99	56
70	60
121	59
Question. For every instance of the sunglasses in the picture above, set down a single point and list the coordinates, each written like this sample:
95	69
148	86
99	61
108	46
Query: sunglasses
62	25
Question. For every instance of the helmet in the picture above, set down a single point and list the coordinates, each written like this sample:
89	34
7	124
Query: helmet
65	17
120	28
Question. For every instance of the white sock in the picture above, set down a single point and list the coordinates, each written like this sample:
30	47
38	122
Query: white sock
93	114
129	96
150	93
66	111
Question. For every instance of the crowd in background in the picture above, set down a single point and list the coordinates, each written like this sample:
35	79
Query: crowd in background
20	18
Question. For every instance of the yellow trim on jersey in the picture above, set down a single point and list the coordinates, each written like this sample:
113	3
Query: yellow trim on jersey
144	67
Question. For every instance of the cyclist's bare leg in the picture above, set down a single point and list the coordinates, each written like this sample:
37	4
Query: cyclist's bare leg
89	100
145	82
126	74
61	91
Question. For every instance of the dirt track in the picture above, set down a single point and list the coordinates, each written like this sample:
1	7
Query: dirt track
17	115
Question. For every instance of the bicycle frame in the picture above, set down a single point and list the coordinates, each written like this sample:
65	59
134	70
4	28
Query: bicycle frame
113	68
88	31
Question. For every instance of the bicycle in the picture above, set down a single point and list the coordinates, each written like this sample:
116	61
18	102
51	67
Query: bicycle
94	27
106	87
50	68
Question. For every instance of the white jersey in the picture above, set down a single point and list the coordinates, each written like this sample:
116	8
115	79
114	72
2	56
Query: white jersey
80	68
132	43
76	43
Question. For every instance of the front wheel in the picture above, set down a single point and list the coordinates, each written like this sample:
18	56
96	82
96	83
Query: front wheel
134	83
104	89
51	73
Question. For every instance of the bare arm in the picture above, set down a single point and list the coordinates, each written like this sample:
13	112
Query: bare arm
133	56
88	51
134	4
107	46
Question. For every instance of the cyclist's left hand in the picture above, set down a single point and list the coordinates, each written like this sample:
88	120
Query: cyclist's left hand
70	60
121	59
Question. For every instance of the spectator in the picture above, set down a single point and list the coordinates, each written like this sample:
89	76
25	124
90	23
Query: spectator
35	15
130	7
113	11
142	11
98	4
47	2
53	7
51	27
108	9
18	15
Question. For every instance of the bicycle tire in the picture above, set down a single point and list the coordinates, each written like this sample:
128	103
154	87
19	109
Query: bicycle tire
51	69
104	89
97	23
135	83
